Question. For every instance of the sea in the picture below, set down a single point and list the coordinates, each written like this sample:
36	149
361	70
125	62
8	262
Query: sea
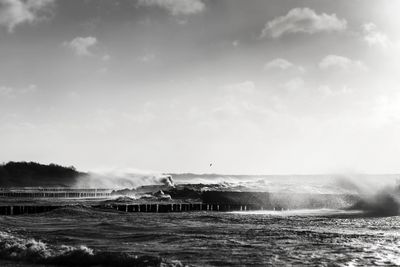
80	235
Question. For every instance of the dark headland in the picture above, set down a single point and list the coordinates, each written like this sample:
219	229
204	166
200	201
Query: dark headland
32	174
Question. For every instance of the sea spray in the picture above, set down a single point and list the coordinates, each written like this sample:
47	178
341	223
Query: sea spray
122	178
386	202
377	197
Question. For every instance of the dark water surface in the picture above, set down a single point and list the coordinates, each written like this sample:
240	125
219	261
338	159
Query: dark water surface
319	237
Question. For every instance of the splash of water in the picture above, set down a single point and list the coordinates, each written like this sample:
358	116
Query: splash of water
123	178
386	202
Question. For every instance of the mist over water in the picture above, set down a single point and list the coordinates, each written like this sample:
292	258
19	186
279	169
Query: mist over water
379	195
121	179
375	195
313	184
385	202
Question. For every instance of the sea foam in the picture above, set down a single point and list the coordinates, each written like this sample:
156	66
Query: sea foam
17	248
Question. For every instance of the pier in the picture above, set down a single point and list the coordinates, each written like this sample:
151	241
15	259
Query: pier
55	192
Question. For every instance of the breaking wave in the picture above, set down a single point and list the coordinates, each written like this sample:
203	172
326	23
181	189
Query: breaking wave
307	184
29	250
122	178
383	203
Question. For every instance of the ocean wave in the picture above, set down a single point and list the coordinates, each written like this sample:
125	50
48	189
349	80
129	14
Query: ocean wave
384	203
77	210
17	248
122	178
306	184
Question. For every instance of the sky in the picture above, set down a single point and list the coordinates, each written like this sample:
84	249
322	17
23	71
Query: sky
253	87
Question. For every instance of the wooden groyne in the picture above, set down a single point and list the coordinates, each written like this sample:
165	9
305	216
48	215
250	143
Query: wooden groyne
154	208
55	192
181	207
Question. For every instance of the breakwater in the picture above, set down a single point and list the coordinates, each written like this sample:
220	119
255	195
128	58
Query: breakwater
54	192
150	207
180	207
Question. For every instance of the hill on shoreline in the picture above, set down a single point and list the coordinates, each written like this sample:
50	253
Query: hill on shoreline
32	174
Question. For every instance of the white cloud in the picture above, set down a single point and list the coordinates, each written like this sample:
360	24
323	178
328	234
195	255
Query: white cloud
242	87
284	65
374	37
176	7
10	92
147	57
340	62
15	12
6	91
303	20
81	45
327	91
106	57
294	84
30	89
278	63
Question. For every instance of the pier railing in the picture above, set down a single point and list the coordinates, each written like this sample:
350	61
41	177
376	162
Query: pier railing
57	192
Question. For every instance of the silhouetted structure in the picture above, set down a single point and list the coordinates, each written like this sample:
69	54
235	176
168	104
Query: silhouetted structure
51	192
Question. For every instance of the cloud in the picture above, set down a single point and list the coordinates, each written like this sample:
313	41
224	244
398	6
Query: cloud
328	91
81	45
374	37
6	91
106	57
278	63
242	87
283	65
147	57
9	92
15	12
29	89
294	84
340	62
176	7
303	20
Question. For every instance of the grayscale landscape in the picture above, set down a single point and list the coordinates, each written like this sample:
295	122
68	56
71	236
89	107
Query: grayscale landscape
199	133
